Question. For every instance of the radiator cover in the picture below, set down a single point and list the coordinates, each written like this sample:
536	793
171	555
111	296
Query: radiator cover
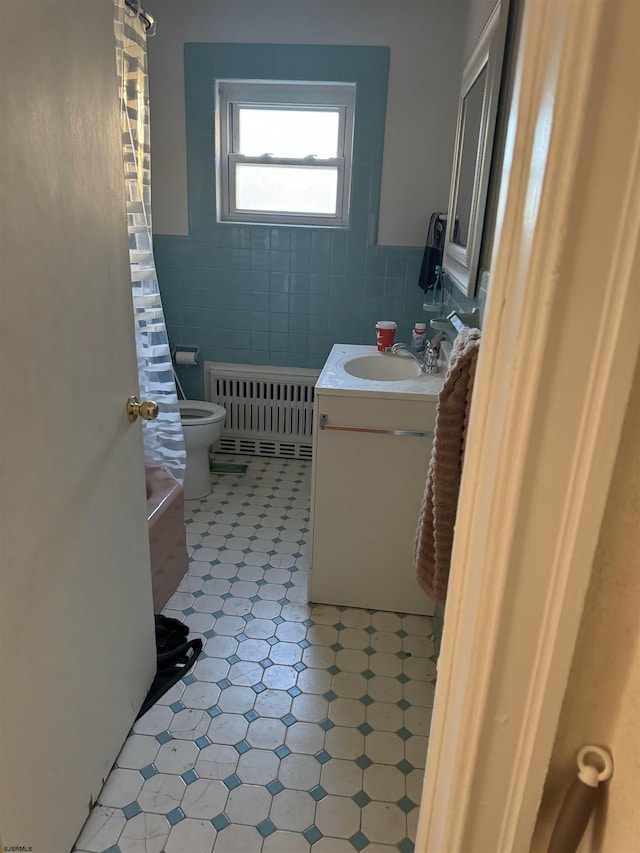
269	409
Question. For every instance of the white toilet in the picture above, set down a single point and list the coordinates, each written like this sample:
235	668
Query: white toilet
202	424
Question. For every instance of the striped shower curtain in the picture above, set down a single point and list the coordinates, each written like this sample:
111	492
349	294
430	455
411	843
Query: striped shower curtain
163	438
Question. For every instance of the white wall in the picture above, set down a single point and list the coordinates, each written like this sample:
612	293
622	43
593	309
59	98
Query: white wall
479	13
602	701
426	38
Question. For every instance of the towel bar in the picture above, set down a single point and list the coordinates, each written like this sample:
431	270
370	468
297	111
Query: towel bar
402	432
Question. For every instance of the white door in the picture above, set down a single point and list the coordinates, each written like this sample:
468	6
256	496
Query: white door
76	614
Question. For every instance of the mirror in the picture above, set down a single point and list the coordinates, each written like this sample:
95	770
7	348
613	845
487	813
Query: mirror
472	156
469	142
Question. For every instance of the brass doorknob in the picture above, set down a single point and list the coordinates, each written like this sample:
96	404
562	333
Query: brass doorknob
148	410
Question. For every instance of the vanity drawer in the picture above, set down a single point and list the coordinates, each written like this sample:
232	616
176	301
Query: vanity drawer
408	415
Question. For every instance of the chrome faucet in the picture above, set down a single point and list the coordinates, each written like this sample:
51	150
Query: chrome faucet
429	363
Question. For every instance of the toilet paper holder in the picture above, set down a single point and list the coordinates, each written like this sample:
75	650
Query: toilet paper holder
186	356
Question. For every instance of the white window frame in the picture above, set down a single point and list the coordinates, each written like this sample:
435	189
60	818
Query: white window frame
231	95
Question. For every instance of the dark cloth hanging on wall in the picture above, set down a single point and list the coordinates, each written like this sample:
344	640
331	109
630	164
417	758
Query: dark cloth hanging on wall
434	247
432	257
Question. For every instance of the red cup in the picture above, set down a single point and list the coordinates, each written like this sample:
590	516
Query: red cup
385	334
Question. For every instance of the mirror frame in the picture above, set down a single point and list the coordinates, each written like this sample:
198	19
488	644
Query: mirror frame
461	262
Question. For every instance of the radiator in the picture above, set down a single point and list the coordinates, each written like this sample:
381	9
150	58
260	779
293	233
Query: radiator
269	409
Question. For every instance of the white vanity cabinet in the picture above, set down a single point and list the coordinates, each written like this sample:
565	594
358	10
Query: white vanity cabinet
367	487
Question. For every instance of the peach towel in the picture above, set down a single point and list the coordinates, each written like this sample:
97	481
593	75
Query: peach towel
434	536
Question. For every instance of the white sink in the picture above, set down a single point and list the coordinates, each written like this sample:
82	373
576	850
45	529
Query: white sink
382	368
362	371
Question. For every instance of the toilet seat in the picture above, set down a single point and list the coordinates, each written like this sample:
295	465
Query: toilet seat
199	412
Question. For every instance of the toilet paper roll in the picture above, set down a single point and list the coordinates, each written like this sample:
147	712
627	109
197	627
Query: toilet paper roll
186	357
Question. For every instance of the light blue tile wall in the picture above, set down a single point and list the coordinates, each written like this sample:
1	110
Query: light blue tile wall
283	295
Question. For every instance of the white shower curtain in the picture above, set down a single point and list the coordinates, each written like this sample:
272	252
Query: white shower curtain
163	438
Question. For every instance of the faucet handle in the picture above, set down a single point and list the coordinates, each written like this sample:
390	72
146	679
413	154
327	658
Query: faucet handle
436	341
431	360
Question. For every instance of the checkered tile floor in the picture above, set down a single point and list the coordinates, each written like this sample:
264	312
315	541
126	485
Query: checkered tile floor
302	727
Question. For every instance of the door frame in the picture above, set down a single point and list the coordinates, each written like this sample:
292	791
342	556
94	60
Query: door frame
560	344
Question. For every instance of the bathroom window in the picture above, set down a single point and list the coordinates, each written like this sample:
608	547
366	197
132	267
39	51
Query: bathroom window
284	151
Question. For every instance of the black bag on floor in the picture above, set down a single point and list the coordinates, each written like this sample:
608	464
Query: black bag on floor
175	655
169	632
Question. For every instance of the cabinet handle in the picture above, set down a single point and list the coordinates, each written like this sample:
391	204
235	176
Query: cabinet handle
324	425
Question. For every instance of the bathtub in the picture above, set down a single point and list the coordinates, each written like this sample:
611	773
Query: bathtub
167	535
